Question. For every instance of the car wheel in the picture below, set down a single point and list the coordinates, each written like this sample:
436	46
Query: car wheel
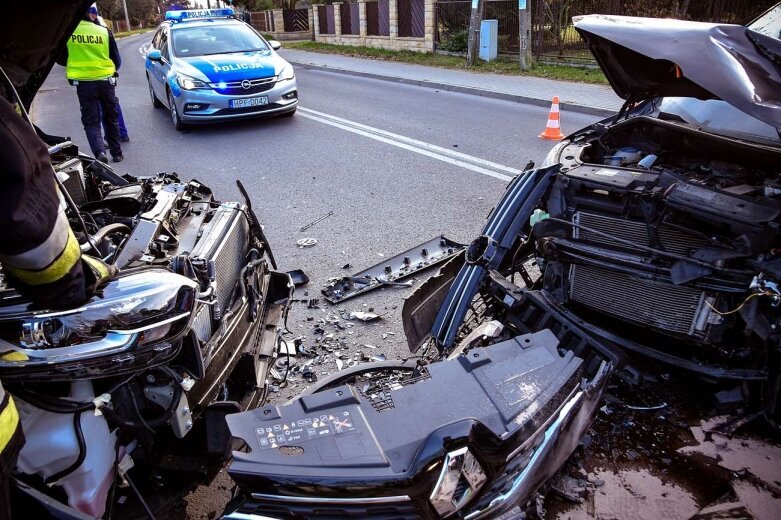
155	102
175	119
288	114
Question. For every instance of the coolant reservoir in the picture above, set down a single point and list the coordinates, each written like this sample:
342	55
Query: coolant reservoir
52	446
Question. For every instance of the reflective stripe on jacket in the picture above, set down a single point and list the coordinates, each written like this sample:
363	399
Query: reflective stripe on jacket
88	53
39	252
9	418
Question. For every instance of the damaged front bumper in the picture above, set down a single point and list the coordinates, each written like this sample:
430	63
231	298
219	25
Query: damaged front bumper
473	437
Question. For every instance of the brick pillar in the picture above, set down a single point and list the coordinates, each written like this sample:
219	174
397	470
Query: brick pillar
362	19
279	20
393	14
337	18
314	27
428	27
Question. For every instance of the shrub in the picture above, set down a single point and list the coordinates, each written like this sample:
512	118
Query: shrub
456	42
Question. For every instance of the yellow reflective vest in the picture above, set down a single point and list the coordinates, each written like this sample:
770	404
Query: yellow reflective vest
9	418
88	53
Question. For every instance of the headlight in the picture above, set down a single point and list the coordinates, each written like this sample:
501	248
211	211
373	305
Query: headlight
135	313
286	74
188	83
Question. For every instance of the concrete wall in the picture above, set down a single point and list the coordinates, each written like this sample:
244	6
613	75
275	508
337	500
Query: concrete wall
392	42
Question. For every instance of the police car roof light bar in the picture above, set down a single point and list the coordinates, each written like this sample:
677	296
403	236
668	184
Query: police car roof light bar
191	14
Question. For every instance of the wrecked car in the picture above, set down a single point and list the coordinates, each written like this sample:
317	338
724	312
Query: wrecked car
653	232
132	387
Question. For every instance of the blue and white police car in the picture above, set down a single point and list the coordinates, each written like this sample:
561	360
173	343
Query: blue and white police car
207	66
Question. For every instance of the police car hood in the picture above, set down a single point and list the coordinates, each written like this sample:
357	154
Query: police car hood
32	35
216	68
647	58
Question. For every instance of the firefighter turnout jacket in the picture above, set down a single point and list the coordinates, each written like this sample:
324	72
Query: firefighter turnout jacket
89	56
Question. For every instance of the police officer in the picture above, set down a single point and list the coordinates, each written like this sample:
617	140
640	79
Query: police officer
91	60
124	136
39	253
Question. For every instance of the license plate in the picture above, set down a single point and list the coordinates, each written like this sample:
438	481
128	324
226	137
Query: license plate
249	102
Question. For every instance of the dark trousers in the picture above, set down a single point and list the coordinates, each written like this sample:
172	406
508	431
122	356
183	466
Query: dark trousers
96	97
121	120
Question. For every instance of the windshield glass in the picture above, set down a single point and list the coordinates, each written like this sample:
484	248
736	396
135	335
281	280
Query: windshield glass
718	117
217	39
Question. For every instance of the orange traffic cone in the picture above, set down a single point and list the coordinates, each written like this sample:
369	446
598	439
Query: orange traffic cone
553	128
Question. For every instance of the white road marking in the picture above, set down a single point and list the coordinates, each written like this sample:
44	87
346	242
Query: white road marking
462	160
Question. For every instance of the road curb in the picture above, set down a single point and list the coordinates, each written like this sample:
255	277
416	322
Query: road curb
517	98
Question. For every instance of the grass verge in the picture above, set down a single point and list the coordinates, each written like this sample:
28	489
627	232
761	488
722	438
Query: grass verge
130	33
500	66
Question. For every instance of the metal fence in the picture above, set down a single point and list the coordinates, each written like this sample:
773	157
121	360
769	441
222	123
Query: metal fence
296	19
350	20
411	18
326	23
263	21
378	18
452	24
554	38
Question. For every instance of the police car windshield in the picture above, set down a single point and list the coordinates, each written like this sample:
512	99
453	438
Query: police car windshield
216	39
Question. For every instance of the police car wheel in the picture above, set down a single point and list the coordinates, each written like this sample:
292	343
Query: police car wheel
175	113
155	102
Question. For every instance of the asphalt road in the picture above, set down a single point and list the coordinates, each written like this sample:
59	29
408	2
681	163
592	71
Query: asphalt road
397	165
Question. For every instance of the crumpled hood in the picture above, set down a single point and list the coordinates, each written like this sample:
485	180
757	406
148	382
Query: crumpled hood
648	57
32	35
236	66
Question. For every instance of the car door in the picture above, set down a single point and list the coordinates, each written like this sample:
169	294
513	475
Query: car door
159	69
165	63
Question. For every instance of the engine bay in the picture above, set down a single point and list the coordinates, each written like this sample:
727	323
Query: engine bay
668	231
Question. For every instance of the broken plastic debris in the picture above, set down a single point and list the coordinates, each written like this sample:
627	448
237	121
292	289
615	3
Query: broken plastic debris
364	316
339	364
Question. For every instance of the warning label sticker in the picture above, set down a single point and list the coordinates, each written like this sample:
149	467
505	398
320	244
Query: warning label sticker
295	431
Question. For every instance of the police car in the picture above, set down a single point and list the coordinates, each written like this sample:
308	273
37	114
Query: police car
205	65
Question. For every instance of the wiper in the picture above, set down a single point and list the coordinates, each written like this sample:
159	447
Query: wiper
232	52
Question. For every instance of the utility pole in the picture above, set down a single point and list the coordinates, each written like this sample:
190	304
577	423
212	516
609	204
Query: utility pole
127	18
525	24
473	42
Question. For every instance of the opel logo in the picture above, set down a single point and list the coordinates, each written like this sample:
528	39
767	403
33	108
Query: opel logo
246	84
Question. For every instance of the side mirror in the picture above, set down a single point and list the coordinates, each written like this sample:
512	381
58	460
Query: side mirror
275	44
154	55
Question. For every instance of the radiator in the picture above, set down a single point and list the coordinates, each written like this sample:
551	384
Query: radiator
671	239
660	305
225	240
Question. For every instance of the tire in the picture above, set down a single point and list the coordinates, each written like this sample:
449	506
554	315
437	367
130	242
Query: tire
155	102
175	119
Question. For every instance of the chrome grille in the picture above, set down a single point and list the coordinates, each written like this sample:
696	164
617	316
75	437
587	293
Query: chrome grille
671	239
246	87
656	304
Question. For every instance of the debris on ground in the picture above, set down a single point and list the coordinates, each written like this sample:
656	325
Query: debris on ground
316	221
306	242
364	316
390	271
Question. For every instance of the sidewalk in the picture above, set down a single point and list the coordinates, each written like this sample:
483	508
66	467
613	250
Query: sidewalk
580	97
